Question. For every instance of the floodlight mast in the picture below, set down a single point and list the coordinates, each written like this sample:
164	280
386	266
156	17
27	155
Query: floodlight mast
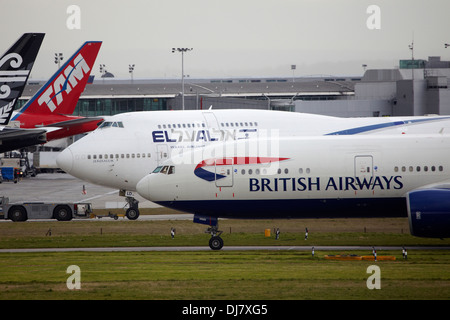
182	50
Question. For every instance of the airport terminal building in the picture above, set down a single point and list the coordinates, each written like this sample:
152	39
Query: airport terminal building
416	88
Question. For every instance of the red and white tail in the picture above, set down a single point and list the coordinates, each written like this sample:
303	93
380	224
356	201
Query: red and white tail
61	93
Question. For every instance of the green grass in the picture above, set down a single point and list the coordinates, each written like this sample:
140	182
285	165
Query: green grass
223	275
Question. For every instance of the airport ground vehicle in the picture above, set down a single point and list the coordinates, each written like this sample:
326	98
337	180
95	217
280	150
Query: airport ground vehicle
60	211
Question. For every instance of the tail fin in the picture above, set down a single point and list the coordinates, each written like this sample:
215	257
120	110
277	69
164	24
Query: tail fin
60	94
15	68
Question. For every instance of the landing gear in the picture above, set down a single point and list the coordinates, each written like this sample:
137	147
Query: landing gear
216	242
132	212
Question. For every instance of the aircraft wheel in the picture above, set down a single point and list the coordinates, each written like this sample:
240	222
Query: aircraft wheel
216	243
132	213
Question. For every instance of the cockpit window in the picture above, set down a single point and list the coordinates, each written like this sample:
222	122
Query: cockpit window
165	169
157	169
109	124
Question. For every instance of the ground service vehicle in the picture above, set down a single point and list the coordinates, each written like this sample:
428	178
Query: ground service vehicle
60	211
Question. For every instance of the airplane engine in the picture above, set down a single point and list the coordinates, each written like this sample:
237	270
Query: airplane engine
429	213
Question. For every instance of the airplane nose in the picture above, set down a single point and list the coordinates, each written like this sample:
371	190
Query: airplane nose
65	160
142	188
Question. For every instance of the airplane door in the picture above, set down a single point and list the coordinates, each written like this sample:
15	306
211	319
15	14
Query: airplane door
162	153
364	166
224	172
211	120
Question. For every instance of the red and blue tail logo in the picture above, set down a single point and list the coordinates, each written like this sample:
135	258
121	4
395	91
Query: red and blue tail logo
201	172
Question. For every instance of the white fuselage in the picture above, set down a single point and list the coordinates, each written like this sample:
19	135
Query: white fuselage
302	176
129	146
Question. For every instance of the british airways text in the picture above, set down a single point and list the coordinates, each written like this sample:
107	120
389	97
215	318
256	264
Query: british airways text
319	184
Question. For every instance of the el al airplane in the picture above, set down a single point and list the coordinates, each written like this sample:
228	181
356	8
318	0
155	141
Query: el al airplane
128	146
15	68
311	177
51	107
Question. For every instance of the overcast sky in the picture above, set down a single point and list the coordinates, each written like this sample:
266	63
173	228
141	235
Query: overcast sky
232	38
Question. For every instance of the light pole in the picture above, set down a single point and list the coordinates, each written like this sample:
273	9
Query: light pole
182	50
58	58
130	70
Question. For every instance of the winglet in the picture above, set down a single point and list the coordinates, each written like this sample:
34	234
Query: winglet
15	68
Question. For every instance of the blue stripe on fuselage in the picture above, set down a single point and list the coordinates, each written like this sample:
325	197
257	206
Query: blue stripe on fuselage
382	126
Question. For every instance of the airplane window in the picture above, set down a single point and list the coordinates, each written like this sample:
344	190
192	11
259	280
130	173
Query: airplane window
279	171
122	156
171	170
100	156
433	168
418	169
149	155
250	171
115	125
89	156
203	125
227	124
257	171
157	169
169	126
132	155
425	168
403	169
243	171
308	170
159	126
117	156
128	155
164	126
411	169
138	155
164	169
286	170
120	123
106	156
105	124
246	124
441	168
231	124
222	125
300	170
256	124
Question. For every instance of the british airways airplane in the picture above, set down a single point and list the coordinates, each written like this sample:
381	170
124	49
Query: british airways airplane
128	146
311	177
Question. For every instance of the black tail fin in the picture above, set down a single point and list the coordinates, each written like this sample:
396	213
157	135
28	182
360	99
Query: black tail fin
15	68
